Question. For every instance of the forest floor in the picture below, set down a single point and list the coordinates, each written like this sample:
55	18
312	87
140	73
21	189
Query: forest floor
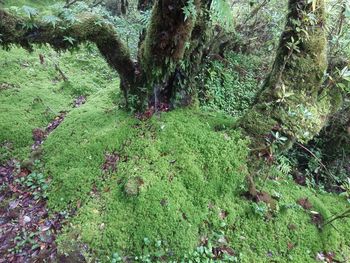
125	188
83	181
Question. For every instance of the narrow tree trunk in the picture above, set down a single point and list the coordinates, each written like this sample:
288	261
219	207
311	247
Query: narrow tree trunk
124	6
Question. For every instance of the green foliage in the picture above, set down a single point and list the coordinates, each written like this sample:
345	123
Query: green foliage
346	187
343	80
189	10
51	19
221	14
37	184
231	85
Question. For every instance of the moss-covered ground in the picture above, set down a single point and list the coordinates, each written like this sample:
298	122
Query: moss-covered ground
176	193
179	176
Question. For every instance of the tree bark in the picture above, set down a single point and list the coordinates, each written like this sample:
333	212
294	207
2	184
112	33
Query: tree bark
292	101
168	46
292	105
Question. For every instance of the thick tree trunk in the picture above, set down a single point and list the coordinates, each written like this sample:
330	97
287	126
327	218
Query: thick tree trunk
168	48
292	101
292	105
169	55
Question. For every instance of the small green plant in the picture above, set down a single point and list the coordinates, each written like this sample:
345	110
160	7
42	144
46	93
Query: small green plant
261	209
24	239
50	19
279	138
37	183
230	85
343	81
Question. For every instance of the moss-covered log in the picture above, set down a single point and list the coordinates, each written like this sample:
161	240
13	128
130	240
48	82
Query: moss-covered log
89	28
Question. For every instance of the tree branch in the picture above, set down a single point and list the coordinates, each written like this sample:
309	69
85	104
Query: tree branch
63	36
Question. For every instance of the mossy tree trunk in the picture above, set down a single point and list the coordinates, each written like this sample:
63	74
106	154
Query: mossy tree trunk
171	46
292	101
171	50
293	104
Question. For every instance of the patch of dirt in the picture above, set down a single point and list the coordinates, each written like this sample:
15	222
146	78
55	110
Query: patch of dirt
304	203
5	86
264	197
39	135
55	123
27	231
111	161
299	178
326	257
161	107
79	101
219	252
317	219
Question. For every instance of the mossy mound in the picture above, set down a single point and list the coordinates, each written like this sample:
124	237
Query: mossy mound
171	169
177	186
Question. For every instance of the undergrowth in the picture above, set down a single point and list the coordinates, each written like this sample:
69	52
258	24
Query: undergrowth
231	84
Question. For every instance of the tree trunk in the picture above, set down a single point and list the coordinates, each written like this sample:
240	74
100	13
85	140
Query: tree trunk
293	105
124	6
168	51
293	101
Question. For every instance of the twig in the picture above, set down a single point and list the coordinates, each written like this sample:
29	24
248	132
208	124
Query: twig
61	72
69	3
96	3
345	214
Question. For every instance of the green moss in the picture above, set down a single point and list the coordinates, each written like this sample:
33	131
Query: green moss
191	168
184	165
35	93
291	235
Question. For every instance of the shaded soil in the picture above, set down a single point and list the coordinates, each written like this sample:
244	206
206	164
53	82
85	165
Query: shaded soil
27	229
